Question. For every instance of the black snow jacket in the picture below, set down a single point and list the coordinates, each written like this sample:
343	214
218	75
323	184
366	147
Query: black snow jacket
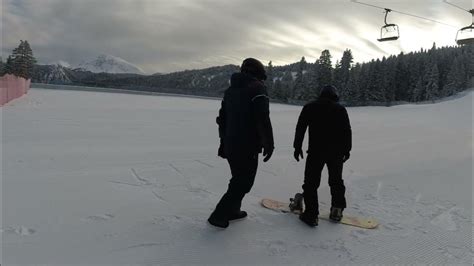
244	117
330	131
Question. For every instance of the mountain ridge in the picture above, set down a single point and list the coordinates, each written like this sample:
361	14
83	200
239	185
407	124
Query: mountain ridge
110	64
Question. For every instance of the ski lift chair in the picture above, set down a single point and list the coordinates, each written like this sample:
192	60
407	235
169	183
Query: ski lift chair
465	36
389	32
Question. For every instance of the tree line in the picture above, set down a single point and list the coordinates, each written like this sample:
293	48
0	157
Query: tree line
20	63
426	75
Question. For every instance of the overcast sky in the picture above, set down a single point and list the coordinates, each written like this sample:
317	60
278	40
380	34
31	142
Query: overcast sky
170	35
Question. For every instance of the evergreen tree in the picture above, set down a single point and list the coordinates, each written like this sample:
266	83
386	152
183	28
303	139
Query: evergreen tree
402	79
23	60
287	85
278	92
433	49
9	66
390	84
450	86
30	60
416	73
300	82
432	83
456	78
363	84
470	66
2	67
17	60
312	89
374	84
352	90
325	69
270	77
342	73
418	92
336	73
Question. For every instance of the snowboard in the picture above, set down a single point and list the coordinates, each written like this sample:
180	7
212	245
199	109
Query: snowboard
284	207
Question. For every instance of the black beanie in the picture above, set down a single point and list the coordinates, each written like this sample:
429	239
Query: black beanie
329	92
254	67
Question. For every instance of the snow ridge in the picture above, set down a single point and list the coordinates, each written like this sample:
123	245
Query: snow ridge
110	64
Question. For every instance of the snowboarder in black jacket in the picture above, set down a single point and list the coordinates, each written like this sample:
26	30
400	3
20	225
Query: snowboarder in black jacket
330	143
244	131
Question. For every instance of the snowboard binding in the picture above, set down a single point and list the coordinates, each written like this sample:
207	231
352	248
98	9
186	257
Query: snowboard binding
296	203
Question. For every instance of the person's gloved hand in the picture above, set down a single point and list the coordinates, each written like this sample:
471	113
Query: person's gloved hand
346	157
221	152
267	153
297	154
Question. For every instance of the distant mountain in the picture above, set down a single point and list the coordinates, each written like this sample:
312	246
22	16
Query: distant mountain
62	63
207	82
53	74
110	64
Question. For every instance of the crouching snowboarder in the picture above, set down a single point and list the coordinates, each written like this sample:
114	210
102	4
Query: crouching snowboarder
244	130
330	143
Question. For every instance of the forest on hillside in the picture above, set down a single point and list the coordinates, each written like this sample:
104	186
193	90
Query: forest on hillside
425	75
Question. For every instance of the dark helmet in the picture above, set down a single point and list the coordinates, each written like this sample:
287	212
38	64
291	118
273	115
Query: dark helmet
254	67
329	92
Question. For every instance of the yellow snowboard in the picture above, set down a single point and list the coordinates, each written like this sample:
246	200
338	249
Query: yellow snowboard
279	206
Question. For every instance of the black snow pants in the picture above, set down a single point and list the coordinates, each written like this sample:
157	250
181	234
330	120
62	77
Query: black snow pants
244	170
312	179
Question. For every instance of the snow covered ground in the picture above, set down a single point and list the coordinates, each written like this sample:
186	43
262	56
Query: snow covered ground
99	178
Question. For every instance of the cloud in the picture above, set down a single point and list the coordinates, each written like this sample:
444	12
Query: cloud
164	35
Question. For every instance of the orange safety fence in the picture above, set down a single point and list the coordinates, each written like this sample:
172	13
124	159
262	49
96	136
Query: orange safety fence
12	87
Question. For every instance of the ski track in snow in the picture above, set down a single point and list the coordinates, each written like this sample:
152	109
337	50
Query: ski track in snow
139	246
206	164
19	230
124	183
404	219
98	218
446	220
191	185
158	189
403	216
144	181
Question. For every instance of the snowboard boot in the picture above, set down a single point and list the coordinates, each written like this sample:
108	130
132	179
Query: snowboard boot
237	216
217	221
296	203
309	221
336	214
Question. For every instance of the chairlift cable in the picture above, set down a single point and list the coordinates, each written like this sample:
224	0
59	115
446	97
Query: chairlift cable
357	2
446	1
469	11
428	19
403	13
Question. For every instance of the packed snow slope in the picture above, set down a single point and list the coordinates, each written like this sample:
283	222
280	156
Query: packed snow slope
100	178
